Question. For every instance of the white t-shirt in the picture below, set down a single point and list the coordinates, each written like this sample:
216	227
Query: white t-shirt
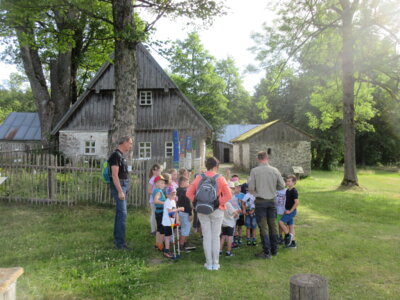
166	220
280	201
249	201
151	181
229	220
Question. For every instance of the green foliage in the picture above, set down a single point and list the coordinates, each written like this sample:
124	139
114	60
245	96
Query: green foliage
13	98
193	70
67	252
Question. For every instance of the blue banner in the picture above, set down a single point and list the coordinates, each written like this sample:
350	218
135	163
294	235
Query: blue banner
188	144
175	139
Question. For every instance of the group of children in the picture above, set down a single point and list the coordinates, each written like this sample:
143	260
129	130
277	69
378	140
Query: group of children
171	208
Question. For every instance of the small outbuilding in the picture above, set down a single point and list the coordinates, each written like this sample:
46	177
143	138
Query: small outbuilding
222	146
286	145
20	131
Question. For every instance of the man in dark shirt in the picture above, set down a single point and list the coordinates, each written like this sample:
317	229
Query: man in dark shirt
119	186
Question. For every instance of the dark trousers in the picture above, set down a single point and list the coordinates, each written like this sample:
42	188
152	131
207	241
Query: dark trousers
120	213
266	221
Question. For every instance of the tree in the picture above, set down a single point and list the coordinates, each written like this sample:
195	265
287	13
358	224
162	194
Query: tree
305	22
53	40
239	99
193	70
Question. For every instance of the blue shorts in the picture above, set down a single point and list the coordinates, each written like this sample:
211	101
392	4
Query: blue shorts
185	223
289	219
251	221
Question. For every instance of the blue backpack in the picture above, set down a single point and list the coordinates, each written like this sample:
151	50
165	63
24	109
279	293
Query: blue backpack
105	172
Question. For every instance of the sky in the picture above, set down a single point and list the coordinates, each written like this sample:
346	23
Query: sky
228	36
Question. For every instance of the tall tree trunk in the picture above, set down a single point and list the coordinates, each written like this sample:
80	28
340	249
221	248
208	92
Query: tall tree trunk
34	71
350	175
124	114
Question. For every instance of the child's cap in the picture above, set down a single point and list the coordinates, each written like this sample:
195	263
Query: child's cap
231	184
170	190
236	183
158	178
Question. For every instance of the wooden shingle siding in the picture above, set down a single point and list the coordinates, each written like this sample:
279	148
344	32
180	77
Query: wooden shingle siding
95	114
279	133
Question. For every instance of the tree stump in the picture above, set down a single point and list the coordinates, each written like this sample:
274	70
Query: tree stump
308	287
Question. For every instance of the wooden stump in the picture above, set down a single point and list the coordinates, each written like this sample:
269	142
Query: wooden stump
308	287
8	282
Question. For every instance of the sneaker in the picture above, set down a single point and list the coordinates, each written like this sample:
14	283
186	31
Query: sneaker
280	241
167	255
220	252
254	243
228	253
234	245
239	240
248	242
208	267
274	252
215	267
264	255
189	246
288	239
292	245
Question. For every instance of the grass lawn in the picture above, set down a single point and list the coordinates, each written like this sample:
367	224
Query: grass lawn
351	237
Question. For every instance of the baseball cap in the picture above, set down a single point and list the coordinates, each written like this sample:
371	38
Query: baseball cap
158	178
231	184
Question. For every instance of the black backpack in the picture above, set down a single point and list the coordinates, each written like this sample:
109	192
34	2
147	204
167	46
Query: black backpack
207	194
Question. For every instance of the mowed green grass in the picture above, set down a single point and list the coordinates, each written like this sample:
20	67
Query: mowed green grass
351	237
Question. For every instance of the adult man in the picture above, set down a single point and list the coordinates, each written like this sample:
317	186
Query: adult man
264	182
211	223
119	186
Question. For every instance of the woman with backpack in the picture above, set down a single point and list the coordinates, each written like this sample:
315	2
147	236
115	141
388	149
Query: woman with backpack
211	192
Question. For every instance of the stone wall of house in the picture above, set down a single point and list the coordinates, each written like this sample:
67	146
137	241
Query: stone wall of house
72	143
284	155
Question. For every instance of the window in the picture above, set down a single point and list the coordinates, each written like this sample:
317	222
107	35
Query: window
169	149
269	151
90	147
144	150
146	98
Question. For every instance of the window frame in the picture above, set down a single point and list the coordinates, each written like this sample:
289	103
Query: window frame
146	100
146	147
91	147
171	148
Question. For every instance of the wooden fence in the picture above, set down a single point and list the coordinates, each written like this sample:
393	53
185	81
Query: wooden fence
54	179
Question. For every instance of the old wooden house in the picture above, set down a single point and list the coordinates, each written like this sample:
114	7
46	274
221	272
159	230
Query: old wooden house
20	131
222	146
286	145
161	109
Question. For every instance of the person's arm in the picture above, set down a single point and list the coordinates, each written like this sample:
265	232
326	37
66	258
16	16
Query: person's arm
280	185
224	191
157	199
117	184
296	203
244	208
252	183
150	189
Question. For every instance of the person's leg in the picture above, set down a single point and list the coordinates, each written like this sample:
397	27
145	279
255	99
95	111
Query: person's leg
283	227
222	242
153	223
120	217
216	222
272	228
229	244
261	217
205	222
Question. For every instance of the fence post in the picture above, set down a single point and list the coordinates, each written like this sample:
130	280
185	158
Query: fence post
51	181
308	287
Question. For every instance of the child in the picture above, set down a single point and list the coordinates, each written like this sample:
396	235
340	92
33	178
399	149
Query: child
174	177
249	209
159	199
154	172
228	225
237	198
168	219
287	221
186	215
280	201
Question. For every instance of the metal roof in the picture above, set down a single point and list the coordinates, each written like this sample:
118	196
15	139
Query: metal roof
234	130
21	126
